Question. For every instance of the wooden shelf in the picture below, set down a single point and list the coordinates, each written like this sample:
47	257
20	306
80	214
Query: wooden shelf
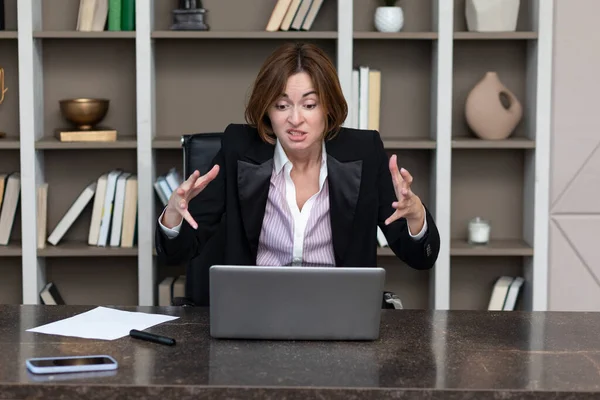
495	35
506	247
385	252
511	143
459	247
13	249
243	35
9	143
81	249
396	35
166	143
8	35
51	143
395	144
83	35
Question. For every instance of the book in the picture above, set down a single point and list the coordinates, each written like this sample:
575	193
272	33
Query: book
118	209
130	212
301	15
107	208
128	15
513	293
49	295
100	16
277	15
289	16
97	210
374	99
85	18
114	15
499	292
42	214
72	214
312	14
9	206
165	291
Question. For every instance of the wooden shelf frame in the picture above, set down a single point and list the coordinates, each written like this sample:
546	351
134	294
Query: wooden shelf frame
346	28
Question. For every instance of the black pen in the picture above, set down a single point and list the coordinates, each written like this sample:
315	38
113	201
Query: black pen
151	337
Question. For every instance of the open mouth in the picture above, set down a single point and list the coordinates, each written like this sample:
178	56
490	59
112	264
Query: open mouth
296	133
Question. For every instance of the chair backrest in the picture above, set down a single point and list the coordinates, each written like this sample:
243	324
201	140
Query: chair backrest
199	149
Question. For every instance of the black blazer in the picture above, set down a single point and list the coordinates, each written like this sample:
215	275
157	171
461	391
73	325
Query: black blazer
230	210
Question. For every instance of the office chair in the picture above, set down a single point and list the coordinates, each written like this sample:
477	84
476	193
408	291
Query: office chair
199	150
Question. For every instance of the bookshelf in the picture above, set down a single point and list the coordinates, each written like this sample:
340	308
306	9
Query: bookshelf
163	84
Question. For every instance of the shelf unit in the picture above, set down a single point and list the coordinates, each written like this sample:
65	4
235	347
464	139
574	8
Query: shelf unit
163	84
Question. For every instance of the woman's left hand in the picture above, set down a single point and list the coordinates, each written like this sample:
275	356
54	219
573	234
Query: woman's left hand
409	204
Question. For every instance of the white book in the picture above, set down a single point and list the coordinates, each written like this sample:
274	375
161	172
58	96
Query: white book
363	98
163	198
117	217
499	293
72	213
301	14
130	212
312	14
173	179
109	198
513	293
381	238
12	193
355	100
97	210
164	186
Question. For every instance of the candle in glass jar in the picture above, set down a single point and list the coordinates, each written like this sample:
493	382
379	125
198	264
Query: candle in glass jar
479	231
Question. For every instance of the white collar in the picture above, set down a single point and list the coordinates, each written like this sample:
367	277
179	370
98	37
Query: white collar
281	159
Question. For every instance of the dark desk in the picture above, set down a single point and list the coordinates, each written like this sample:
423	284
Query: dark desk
455	355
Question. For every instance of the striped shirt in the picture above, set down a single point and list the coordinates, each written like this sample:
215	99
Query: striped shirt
291	236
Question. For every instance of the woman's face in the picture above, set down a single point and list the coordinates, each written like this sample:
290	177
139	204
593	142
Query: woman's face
297	117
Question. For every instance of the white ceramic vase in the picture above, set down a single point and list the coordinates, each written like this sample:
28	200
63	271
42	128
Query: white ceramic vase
389	19
492	15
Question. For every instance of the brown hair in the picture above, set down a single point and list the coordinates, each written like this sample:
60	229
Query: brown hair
287	60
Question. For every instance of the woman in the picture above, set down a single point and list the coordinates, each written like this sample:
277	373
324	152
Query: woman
293	187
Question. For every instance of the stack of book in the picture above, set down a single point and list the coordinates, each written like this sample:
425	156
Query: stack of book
114	214
296	15
111	15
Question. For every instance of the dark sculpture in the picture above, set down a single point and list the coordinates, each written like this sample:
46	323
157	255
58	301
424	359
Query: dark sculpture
189	16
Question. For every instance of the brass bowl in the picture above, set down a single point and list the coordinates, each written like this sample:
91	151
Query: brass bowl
84	113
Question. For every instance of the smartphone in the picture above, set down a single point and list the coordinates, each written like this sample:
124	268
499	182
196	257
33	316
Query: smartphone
54	365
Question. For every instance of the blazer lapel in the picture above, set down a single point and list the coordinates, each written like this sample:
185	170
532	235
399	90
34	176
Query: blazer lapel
254	176
344	184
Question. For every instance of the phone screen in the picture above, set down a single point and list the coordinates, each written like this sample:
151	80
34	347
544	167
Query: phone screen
67	362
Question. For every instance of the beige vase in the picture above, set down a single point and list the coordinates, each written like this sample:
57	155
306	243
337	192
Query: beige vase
492	111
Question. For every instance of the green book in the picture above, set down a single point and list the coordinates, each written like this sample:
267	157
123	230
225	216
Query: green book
114	15
128	15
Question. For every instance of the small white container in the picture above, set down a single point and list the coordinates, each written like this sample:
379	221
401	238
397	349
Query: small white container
479	231
389	19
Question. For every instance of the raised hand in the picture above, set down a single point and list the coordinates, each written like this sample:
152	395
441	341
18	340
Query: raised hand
177	208
408	204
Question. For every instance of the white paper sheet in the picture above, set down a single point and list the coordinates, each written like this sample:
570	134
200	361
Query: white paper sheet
102	323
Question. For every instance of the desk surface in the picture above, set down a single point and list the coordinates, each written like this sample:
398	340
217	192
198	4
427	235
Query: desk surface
456	354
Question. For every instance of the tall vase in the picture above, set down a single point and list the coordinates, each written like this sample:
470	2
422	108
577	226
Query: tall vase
492	15
492	111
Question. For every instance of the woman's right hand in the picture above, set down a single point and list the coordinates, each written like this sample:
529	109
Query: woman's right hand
177	207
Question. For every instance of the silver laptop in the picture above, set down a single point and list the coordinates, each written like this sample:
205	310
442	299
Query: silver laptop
295	303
